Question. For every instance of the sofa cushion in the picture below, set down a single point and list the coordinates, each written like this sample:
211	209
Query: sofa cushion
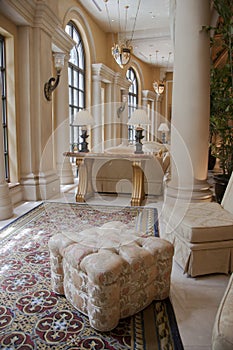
222	337
227	201
203	222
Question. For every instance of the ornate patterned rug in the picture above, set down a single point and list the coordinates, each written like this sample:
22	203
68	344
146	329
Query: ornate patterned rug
33	317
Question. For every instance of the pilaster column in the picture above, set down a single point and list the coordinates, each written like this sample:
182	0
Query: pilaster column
108	116
148	103
38	176
6	209
145	127
124	116
112	84
191	98
61	115
97	137
153	121
120	97
117	114
158	118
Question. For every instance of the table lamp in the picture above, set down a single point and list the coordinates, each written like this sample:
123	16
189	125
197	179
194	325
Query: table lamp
163	128
83	118
139	117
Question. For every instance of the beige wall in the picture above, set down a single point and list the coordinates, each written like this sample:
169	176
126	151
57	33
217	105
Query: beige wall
31	36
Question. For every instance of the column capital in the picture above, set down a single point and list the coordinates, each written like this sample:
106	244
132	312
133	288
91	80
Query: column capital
148	95
105	73
96	78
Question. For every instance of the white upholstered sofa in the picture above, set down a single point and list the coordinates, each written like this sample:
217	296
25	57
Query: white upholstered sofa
202	234
115	175
222	336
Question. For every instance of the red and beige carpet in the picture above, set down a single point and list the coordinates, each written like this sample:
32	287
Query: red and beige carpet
33	317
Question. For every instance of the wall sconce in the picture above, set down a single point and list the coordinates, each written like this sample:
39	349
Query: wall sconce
83	118
51	85
139	117
122	107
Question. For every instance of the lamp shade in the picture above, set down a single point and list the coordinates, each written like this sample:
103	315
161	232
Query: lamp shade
83	117
59	60
139	117
163	127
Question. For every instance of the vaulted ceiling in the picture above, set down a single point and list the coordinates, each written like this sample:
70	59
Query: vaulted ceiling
146	22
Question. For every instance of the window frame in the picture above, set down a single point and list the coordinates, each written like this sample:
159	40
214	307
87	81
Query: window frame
132	99
76	83
4	107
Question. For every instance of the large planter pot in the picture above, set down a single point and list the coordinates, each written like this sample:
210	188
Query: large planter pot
221	182
211	161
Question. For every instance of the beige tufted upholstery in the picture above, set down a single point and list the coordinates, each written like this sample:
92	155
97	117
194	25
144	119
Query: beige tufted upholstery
110	272
222	336
202	234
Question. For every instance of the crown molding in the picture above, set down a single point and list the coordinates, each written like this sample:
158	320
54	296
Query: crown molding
106	74
38	15
122	81
21	13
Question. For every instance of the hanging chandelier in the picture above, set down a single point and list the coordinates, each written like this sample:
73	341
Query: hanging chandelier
159	86
122	49
122	53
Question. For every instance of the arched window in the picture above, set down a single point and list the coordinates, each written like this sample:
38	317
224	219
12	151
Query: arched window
4	109
76	76
132	99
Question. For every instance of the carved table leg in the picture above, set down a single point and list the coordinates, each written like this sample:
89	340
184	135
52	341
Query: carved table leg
138	193
85	189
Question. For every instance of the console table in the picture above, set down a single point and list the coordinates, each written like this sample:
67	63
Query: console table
84	162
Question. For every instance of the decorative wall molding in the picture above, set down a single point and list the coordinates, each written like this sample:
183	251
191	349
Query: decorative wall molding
123	82
62	40
149	95
21	13
106	74
38	15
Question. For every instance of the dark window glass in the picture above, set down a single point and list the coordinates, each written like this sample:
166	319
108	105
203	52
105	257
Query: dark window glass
4	109
76	79
132	99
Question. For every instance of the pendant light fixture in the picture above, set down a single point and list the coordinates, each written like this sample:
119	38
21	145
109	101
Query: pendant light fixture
159	86
122	49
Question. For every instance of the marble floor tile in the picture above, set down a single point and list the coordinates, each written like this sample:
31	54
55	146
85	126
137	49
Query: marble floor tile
195	302
19	209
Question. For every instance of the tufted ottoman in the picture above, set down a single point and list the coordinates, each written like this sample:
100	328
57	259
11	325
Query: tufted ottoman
110	272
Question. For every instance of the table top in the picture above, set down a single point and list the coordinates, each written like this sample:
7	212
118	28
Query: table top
137	156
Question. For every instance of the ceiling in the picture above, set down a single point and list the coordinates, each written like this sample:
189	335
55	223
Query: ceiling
146	22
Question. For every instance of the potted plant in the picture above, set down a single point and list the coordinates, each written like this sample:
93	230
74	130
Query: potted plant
221	94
